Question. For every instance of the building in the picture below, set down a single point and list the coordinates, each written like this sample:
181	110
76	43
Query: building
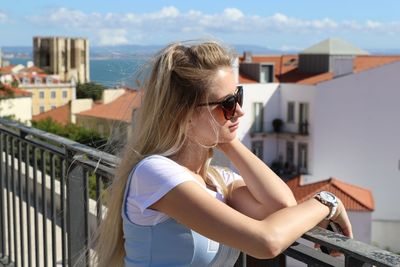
337	104
66	57
113	117
16	104
48	92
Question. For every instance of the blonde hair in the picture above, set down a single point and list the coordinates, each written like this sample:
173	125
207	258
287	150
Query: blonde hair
179	80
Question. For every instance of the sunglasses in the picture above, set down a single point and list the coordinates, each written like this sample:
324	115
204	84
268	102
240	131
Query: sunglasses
228	104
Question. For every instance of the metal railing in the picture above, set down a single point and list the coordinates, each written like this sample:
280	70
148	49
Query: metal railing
47	215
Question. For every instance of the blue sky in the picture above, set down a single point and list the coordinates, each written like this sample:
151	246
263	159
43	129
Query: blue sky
284	25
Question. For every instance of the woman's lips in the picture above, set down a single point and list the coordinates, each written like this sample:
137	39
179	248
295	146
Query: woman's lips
234	126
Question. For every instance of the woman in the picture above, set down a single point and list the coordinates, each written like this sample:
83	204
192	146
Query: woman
177	210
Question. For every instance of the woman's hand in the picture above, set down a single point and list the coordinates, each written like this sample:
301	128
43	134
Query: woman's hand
342	219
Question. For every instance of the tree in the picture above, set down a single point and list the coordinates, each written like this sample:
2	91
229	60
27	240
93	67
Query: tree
72	131
90	90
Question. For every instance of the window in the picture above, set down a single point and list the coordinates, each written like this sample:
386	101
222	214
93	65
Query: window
257	148
41	109
53	106
49	80
302	158
267	74
53	94
290	152
25	80
258	119
41	94
38	80
290	112
65	94
303	118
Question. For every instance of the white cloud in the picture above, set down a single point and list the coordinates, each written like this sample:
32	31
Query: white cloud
370	24
3	17
169	22
112	36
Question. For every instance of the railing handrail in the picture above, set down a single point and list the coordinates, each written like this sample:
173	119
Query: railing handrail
353	248
65	143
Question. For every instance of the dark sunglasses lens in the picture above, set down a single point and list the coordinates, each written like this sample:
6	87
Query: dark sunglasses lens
229	107
239	96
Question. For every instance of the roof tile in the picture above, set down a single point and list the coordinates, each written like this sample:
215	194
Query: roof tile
354	198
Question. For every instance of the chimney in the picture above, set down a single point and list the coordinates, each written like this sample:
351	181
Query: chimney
247	57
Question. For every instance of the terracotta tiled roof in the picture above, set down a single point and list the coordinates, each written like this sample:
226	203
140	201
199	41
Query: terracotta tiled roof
7	69
33	69
15	91
286	68
61	115
362	63
354	198
32	76
120	109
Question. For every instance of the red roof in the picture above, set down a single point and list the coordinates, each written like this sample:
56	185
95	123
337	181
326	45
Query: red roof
32	69
7	69
120	109
354	198
286	68
13	92
61	115
32	76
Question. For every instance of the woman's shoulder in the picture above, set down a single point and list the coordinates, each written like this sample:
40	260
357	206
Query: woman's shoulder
157	165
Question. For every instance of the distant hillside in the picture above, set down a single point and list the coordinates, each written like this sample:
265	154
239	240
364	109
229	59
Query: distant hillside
133	51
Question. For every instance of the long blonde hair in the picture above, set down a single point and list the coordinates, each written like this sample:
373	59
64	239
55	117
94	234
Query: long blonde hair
179	80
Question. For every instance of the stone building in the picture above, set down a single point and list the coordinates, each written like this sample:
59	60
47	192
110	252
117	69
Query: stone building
66	57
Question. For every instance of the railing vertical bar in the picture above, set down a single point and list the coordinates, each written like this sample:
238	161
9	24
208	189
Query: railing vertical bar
53	210
2	208
21	198
14	194
28	204
44	206
35	205
9	248
99	202
63	213
86	200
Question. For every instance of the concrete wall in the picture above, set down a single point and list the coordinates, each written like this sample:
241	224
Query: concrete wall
386	235
19	107
356	134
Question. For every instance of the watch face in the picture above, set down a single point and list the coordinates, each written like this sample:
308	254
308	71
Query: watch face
328	196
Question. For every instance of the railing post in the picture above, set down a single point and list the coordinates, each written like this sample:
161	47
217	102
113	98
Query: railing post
76	214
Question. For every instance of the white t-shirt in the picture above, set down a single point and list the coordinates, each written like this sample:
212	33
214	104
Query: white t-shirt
155	176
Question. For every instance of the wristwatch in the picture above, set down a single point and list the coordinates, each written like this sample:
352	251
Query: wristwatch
329	200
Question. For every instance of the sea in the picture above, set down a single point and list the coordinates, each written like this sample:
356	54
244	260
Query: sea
111	73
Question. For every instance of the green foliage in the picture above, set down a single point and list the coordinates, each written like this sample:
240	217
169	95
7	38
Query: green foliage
71	131
8	92
90	90
15	84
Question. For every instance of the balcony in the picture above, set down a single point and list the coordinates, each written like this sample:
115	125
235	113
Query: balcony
48	214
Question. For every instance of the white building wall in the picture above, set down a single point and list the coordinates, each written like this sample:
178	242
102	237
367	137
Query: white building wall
356	137
297	93
19	107
268	94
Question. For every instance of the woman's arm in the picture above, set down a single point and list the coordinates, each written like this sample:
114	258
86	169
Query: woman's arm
192	206
262	183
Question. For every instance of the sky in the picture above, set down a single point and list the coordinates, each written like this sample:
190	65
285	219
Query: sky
282	25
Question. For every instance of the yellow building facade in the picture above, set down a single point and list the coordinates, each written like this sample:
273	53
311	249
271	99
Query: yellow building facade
47	93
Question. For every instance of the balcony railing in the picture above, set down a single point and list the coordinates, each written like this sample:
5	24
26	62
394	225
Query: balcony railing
47	216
